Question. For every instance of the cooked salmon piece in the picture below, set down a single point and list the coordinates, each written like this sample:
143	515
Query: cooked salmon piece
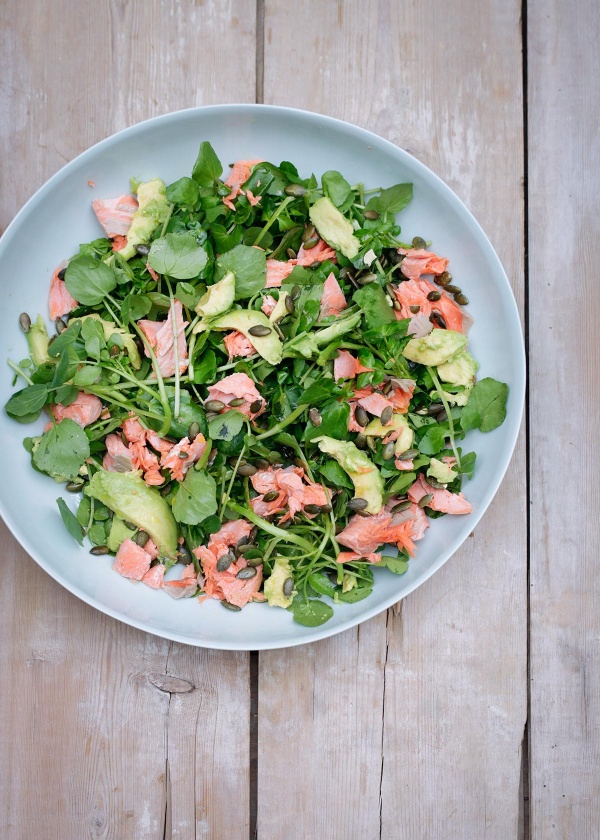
443	500
158	443
225	586
333	301
118	457
151	549
161	339
60	302
234	387
84	410
131	561
414	293
345	366
401	394
278	271
178	465
268	304
294	488
418	261
319	253
133	430
352	556
253	199
365	534
154	576
416	515
375	404
115	214
151	272
185	587
404	465
240	172
237	345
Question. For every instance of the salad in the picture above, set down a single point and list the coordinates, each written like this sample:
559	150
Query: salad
256	390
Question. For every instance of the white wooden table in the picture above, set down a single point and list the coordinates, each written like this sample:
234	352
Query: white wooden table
471	710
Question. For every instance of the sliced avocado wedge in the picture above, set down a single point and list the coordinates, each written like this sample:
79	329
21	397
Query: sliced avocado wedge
131	499
436	348
367	480
440	471
274	584
152	212
334	227
37	342
268	346
218	298
399	423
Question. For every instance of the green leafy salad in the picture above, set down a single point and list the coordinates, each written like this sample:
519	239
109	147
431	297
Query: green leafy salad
256	391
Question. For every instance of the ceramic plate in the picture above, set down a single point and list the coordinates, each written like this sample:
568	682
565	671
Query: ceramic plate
59	217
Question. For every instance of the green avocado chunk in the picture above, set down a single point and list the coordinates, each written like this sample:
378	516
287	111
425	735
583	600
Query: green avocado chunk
334	227
218	298
37	342
131	499
152	212
367	480
436	348
268	346
274	584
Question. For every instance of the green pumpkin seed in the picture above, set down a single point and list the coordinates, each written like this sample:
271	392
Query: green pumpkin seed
114	351
453	290
314	417
424	500
141	538
143	250
435	408
437	485
308	233
262	464
388	451
401	506
408	455
74	486
130	525
418	242
289	304
361	416
441	417
60	326
183	555
443	279
256	406
391	291
97	550
372	215
232	607
386	415
214	405
288	586
254	562
291	253
309	244
435	295
397	305
414	308
247	470
296	292
25	322
461	299
436	318
193	431
312	509
297	190
246	574
225	561
360	441
259	331
183	456
164	491
236	402
357	503
270	496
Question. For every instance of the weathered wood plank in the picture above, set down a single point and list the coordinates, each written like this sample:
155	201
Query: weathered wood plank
564	237
446	86
89	745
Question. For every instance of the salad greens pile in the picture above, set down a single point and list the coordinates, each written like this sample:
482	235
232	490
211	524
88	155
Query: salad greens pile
206	261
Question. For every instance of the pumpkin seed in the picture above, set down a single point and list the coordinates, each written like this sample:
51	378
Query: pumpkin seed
309	244
418	242
214	405
437	485
296	292
256	406
424	500
401	506
114	351
100	549
61	274
388	451
414	308
25	322
369	277
212	457
289	304
453	290
312	509
274	457
461	299
225	561
259	331
435	408
360	441
397	305
297	190
247	470
408	455
441	417
270	496
193	431
288	586
143	250
362	513
129	525
183	456
243	545
262	464
141	538
357	503
443	279
371	214
74	486
246	574
435	295
279	331
436	318
60	326
390	290
315	417
361	416
308	233
164	491
386	415
232	607
291	253
254	562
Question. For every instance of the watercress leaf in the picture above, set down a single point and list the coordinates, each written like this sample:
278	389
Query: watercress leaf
135	306
62	450
60	374
70	520
391	200
353	595
396	565
89	280
66	394
486	409
467	464
65	339
87	375
185	191
376	309
403	481
187	294
321	584
225	241
226	426
189	412
433	440
26	402
336	187
317	393
249	266
92	333
178	255
266	179
97	534
334	422
207	167
83	511
311	613
196	498
335	476
205	368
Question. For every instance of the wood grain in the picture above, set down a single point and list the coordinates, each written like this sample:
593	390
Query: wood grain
443	82
90	746
564	181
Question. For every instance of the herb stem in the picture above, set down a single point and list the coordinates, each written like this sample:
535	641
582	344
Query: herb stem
175	329
442	396
159	380
19	371
283	423
286	536
273	218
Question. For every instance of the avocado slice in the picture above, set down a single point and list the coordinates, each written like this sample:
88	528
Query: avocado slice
152	212
334	227
460	370
399	422
436	348
440	471
274	584
118	532
367	480
128	342
218	298
37	342
268	346
130	498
